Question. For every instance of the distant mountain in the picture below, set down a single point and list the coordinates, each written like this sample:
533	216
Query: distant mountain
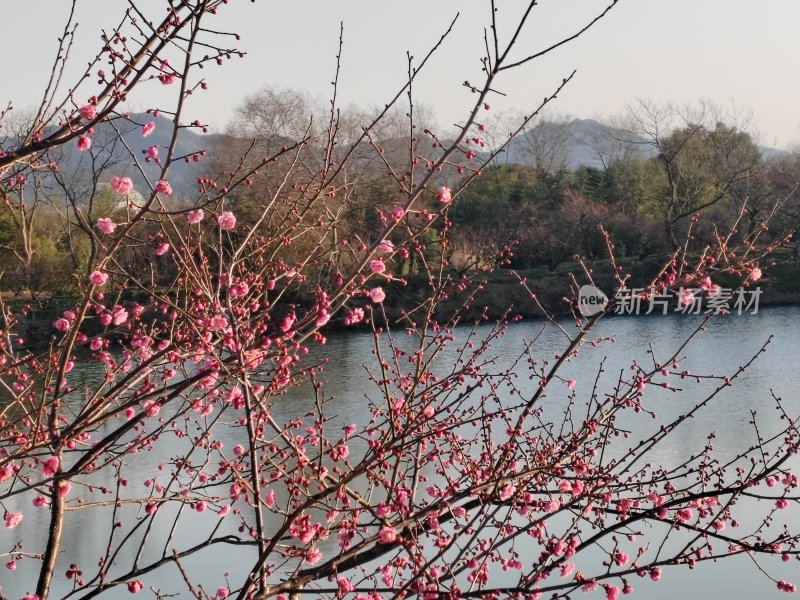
182	175
584	143
109	150
769	153
570	144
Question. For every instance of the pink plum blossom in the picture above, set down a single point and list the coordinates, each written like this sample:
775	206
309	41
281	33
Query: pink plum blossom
50	466
163	187
709	287
377	266
13	519
314	556
134	587
63	488
507	491
398	212
387	535
98	278
590	586
552	506
287	323
121	185
712	289
148	129
323	318
377	295
61	324
238	290
162	249
684	515
755	274
195	216
386	247
355	316
226	220
345	587
445	195
88	112
167	76
219	322
118	315
106	225
84	143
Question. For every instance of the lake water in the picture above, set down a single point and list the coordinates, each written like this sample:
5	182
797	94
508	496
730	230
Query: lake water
725	345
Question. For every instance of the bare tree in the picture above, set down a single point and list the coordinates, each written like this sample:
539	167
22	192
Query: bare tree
548	144
705	160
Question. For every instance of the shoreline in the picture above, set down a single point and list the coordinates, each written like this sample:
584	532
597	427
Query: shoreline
499	295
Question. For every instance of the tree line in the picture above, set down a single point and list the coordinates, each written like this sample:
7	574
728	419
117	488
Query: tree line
659	172
653	184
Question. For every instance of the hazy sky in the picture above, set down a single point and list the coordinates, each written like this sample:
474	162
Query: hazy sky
739	53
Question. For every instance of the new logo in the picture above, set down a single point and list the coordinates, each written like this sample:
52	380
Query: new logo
591	300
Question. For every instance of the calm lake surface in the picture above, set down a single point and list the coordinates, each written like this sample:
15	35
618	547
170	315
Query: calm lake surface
726	344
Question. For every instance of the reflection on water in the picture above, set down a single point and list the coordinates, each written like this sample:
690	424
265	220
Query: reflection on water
727	344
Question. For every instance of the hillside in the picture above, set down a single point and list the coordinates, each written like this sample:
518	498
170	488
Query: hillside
113	153
584	143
